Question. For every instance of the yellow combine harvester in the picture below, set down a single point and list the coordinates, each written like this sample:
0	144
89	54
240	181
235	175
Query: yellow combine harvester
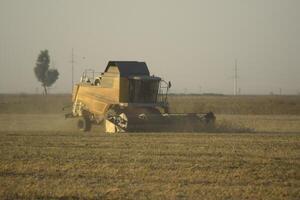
126	98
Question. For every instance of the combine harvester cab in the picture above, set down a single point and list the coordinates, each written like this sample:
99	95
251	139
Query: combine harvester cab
125	98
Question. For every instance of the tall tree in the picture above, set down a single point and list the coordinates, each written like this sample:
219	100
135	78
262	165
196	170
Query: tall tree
42	72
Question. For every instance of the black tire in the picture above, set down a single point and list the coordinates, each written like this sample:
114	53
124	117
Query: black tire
84	124
210	118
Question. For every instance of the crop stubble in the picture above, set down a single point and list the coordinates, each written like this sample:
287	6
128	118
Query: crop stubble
43	156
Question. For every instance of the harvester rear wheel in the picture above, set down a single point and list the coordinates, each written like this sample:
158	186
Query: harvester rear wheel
84	124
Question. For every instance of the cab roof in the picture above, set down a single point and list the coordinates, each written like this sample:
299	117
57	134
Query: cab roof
129	68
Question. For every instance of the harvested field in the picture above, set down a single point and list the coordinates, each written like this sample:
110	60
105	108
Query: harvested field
244	105
54	164
42	156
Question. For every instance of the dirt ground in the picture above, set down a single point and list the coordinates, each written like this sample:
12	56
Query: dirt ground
43	156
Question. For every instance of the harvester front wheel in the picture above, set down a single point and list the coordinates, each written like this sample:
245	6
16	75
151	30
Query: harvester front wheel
84	124
210	117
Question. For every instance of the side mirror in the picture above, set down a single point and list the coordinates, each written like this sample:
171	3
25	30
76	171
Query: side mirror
169	84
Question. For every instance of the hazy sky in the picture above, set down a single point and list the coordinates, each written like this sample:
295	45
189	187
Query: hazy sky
192	43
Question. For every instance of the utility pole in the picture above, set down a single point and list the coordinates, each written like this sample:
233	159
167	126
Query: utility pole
235	83
185	91
280	91
72	61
